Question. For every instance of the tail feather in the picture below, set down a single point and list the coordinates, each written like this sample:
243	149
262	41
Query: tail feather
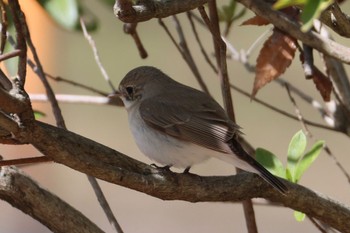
257	167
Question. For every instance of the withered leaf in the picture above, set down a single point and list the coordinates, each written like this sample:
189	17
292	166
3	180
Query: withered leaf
256	20
275	57
323	84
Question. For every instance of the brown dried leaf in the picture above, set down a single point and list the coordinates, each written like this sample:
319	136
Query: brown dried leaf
323	84
275	57
256	20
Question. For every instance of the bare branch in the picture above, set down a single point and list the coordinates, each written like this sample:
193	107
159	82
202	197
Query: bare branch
284	23
204	53
297	111
130	28
220	55
334	18
96	56
74	83
184	51
104	204
11	54
22	161
146	10
81	153
77	99
4	25
23	193
284	113
18	19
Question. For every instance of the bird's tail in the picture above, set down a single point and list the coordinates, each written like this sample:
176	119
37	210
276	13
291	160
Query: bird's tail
248	163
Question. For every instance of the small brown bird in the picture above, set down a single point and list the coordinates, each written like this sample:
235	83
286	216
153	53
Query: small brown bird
176	125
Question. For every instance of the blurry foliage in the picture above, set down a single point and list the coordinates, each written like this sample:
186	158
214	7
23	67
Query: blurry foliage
312	9
298	161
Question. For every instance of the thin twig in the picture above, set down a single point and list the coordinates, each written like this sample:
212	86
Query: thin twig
292	27
22	161
4	81
188	56
284	113
104	204
18	19
308	99
204	53
317	225
298	112
74	83
98	192
4	25
78	99
38	69
336	161
220	54
9	55
183	50
96	56
130	28
326	147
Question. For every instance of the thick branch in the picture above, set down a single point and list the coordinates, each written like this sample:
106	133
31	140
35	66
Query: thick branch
104	163
146	10
284	23
334	18
26	195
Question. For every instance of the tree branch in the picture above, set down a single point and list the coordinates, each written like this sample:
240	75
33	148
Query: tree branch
22	192
146	10
334	18
94	159
284	23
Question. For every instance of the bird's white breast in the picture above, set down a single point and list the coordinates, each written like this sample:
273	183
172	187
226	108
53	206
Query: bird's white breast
163	148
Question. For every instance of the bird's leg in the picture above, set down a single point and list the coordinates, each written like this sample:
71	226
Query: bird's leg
165	168
187	170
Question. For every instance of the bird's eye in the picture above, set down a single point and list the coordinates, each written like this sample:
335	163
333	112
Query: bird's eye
130	90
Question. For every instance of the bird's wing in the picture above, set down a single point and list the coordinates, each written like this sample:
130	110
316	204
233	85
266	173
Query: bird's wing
202	123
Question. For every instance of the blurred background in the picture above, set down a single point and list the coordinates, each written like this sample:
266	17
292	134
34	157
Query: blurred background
68	54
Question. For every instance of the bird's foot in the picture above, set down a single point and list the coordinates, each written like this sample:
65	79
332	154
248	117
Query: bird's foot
187	170
164	168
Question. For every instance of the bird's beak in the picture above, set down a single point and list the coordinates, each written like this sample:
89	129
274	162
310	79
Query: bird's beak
115	98
115	95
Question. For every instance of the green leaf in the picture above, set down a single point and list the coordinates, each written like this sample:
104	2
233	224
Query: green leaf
299	216
64	12
289	176
312	10
308	159
286	3
296	149
240	14
109	2
38	114
270	162
226	13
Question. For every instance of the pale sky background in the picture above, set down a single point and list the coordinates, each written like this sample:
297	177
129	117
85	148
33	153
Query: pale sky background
69	55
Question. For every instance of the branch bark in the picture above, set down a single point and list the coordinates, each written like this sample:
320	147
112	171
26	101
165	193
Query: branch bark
23	193
282	22
94	159
146	10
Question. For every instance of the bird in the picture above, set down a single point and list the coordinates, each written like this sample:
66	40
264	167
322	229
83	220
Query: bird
179	126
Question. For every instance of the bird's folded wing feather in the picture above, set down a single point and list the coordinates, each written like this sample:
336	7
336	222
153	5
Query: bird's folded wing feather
199	123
